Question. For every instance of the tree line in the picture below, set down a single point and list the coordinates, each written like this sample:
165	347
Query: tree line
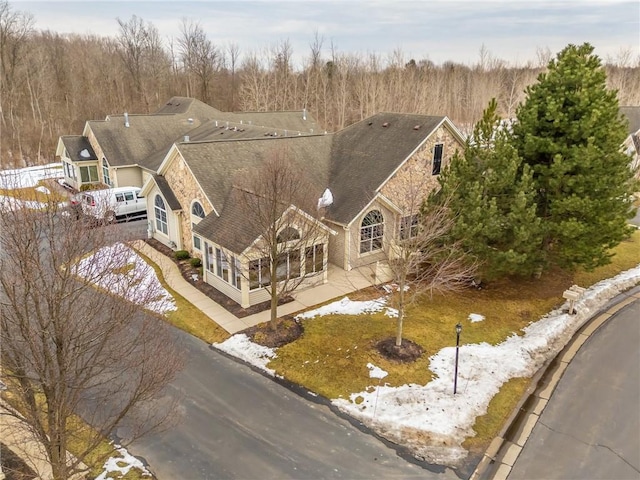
52	83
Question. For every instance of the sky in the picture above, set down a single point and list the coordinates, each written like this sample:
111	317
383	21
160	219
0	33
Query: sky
438	30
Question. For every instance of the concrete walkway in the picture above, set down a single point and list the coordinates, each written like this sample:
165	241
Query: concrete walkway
340	283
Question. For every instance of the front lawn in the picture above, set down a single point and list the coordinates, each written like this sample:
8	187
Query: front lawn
331	357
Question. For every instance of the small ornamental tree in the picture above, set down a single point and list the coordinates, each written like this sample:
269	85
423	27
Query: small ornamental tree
279	204
492	198
418	261
569	131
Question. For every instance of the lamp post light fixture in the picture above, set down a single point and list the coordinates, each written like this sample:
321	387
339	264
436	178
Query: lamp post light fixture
455	375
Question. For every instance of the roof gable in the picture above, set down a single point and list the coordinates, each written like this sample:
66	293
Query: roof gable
364	155
78	148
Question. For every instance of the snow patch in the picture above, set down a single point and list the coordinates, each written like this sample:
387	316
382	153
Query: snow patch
376	372
242	347
346	307
122	465
476	317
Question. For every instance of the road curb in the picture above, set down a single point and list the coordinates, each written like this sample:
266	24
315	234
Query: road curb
503	451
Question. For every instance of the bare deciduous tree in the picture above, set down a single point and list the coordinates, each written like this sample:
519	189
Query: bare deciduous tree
200	57
80	362
279	202
419	261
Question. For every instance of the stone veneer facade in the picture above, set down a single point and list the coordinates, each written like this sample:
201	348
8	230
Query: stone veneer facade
186	190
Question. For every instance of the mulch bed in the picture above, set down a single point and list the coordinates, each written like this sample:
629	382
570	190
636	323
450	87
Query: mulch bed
287	329
189	273
407	352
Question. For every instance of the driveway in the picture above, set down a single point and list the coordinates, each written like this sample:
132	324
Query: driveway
590	427
238	424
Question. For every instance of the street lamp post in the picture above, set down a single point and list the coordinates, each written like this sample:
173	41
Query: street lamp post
455	375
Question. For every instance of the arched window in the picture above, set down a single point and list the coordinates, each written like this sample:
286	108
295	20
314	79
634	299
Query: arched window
161	215
197	210
287	234
371	232
197	214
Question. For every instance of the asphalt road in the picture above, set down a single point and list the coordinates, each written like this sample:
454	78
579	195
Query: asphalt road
238	424
590	428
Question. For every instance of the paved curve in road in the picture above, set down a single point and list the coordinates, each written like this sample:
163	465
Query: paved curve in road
238	424
590	427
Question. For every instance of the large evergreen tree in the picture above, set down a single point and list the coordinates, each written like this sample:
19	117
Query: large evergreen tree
569	131
492	197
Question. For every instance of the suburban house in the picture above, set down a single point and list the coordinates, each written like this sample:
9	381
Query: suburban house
631	145
191	182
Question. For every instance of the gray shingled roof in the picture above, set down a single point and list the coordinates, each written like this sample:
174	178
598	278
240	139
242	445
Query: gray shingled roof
148	138
365	154
216	165
352	163
231	229
146	135
74	144
632	113
167	193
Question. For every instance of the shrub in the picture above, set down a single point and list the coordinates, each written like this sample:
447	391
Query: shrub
182	255
195	262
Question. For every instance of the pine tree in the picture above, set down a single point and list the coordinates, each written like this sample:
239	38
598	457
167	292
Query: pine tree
492	197
569	131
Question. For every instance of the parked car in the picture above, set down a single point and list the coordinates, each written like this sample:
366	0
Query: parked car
112	204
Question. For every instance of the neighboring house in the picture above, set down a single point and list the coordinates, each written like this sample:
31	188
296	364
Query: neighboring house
125	150
194	205
631	145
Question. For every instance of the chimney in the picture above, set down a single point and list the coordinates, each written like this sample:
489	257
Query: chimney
126	119
186	138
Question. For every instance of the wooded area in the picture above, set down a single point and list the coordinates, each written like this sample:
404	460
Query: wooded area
51	84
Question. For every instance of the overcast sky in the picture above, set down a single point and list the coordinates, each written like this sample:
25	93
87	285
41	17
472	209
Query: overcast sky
439	30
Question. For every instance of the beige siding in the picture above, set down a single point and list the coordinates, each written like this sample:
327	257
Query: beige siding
173	222
126	177
337	247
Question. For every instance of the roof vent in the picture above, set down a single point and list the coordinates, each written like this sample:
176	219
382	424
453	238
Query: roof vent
385	124
190	121
216	123
285	133
126	119
304	113
370	123
417	127
240	121
186	138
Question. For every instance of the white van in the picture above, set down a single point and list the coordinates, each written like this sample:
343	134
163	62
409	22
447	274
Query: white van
113	203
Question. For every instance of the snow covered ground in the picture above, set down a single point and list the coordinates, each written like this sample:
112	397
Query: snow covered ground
429	419
30	176
128	275
117	467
